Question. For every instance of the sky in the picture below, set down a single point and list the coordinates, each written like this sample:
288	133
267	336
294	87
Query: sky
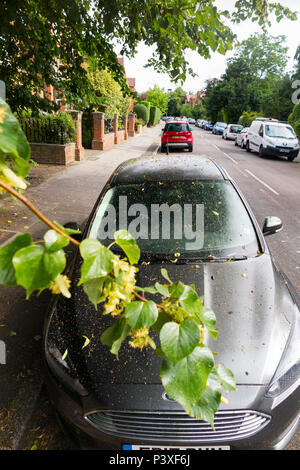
212	68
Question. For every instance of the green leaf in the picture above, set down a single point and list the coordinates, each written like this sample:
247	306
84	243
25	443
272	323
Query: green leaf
68	231
94	289
207	317
226	377
163	290
165	275
188	299
97	260
9	134
179	340
7	270
141	314
115	335
209	402
35	268
54	241
149	290
128	245
185	382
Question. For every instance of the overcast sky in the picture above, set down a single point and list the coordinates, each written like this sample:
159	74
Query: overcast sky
214	67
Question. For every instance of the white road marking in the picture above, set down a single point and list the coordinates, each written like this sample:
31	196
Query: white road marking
263	183
226	155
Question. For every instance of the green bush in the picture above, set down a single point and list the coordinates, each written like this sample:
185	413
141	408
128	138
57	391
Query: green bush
141	112
294	119
49	128
247	118
155	115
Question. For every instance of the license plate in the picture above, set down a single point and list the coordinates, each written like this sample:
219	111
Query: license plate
135	447
178	137
284	150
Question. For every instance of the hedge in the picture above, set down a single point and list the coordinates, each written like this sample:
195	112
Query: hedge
141	112
155	115
49	128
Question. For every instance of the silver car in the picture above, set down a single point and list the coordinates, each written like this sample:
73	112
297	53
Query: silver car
241	138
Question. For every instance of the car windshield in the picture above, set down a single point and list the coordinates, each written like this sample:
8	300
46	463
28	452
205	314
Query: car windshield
221	124
236	129
174	127
178	219
286	132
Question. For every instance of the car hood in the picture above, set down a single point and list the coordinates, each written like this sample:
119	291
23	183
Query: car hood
254	312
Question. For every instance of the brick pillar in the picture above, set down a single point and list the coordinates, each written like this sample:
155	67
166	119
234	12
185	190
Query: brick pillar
98	131
116	128
79	150
125	127
131	122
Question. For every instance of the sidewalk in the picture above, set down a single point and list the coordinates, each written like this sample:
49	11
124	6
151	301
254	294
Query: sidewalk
64	194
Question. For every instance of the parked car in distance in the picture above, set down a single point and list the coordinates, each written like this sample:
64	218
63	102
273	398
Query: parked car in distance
177	134
112	404
219	128
203	123
274	138
231	131
198	122
191	121
242	138
208	126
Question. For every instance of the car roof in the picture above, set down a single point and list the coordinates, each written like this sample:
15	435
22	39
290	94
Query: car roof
168	168
178	122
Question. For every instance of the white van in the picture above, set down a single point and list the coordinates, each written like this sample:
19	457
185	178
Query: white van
271	137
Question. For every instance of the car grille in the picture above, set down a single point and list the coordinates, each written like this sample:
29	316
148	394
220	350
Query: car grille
177	426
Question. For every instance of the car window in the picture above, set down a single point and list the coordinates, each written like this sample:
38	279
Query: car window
185	218
236	128
280	131
174	127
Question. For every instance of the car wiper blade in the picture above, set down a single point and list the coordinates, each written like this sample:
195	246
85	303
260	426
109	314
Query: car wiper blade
186	259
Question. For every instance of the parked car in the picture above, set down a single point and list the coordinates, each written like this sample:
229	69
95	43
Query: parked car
219	127
231	131
271	137
107	403
203	123
191	121
242	138
177	134
208	126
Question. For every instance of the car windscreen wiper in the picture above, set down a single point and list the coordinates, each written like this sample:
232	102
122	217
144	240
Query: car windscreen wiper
187	259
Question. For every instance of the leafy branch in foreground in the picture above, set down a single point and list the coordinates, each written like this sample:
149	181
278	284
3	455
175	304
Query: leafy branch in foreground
188	371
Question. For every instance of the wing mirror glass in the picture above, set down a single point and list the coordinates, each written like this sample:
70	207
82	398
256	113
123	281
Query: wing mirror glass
272	225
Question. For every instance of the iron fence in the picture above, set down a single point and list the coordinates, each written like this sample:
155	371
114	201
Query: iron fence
46	130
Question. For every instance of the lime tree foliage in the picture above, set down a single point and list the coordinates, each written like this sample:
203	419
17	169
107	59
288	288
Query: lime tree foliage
254	81
47	43
188	370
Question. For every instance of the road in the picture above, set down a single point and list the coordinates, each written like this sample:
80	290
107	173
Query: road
272	187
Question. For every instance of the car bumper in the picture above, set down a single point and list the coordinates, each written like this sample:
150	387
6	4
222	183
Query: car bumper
177	144
273	151
276	435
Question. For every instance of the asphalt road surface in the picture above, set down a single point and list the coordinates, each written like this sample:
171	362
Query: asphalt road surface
272	188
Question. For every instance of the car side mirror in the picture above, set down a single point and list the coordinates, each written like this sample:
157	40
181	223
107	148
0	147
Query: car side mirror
272	225
74	226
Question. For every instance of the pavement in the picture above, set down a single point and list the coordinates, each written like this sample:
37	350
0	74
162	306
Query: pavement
63	194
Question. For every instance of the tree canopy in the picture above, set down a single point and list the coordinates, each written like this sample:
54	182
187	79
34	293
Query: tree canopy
46	43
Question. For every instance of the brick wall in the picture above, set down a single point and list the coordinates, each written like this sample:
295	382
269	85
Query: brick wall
53	153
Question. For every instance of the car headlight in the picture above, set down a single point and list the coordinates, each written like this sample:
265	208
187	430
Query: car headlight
57	358
287	376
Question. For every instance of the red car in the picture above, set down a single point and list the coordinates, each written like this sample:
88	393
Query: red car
177	134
